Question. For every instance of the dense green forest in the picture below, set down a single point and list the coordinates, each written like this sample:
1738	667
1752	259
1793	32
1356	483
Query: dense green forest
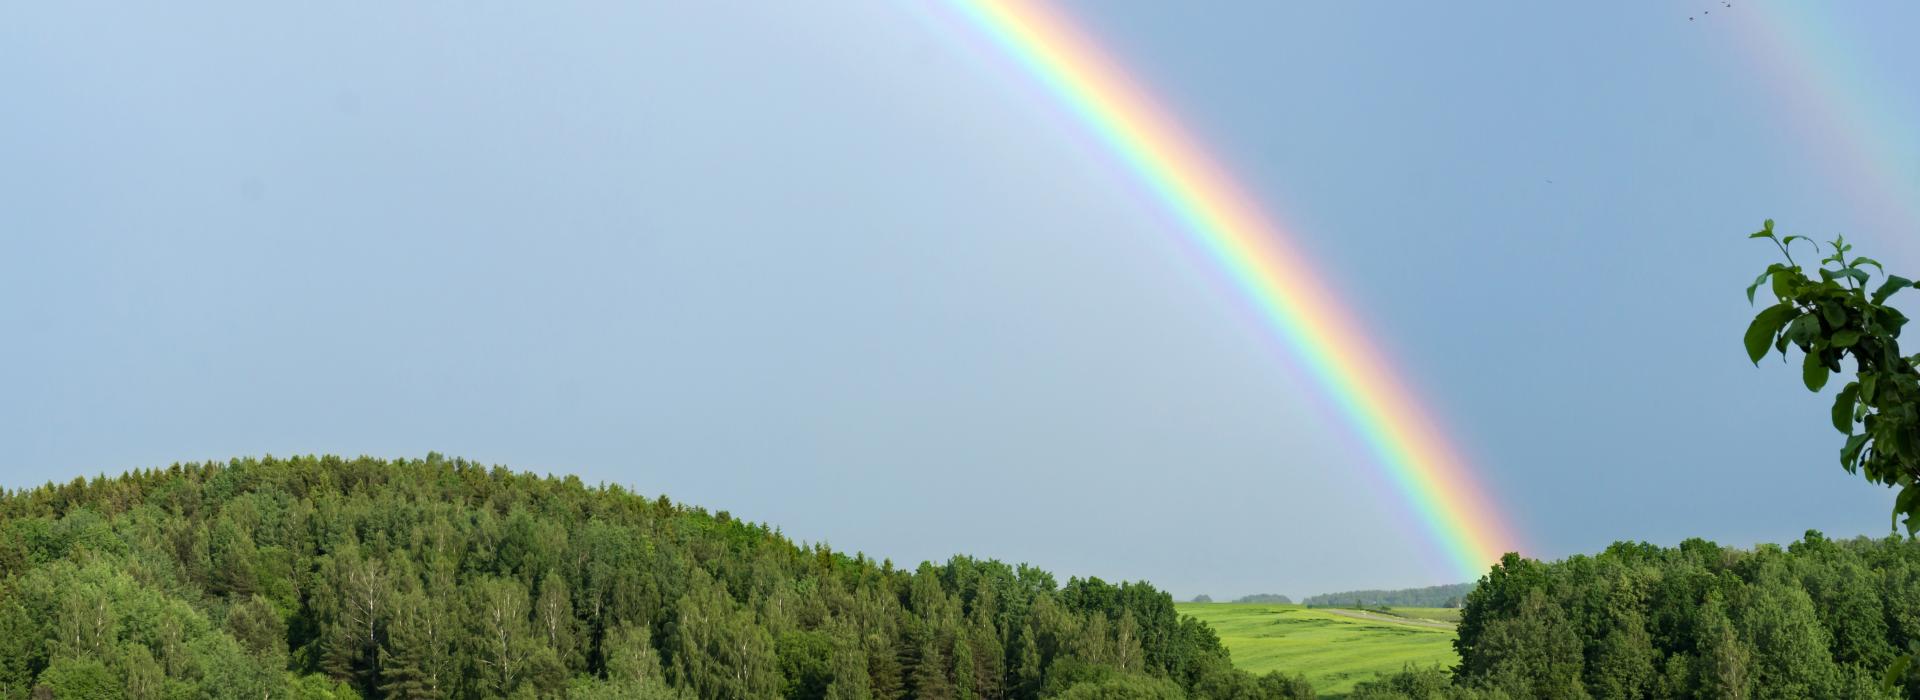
1450	596
1817	619
322	577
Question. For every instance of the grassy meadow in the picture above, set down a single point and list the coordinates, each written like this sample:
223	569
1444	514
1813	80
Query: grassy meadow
1335	651
1450	616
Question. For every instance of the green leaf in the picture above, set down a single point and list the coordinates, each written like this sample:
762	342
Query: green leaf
1803	330
1784	284
1843	338
1904	504
1870	261
1813	372
1843	408
1892	284
1850	453
1835	314
1893	319
1760	234
1768	227
1757	281
1765	325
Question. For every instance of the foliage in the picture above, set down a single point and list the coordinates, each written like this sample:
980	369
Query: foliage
1836	318
1448	596
1269	598
1698	620
1420	684
322	577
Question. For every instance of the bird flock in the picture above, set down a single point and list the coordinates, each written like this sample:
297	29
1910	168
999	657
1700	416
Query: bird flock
1691	18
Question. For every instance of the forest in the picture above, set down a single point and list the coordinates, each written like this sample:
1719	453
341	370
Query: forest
1449	596
1818	618
325	577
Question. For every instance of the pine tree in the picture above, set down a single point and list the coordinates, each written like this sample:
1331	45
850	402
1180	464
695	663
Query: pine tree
963	670
989	658
929	678
884	671
233	555
417	663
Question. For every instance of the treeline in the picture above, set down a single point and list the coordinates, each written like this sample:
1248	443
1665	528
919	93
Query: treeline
1450	596
1268	598
322	577
1816	619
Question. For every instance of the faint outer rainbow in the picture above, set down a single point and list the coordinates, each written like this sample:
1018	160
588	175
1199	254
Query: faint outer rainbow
1850	117
1222	219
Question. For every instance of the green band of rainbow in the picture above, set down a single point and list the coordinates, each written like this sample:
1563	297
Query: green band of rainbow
1408	444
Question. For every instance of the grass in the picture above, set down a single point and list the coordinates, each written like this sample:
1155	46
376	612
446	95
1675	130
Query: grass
1334	652
1448	615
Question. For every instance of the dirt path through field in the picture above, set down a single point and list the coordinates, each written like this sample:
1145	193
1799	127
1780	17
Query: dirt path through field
1377	617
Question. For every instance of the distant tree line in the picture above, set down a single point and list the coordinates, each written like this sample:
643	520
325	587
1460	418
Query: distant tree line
1816	619
1449	596
322	577
1267	598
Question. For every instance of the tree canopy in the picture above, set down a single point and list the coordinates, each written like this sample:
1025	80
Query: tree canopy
1447	596
324	577
1818	618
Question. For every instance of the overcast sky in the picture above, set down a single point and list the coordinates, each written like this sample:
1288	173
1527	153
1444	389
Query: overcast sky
837	267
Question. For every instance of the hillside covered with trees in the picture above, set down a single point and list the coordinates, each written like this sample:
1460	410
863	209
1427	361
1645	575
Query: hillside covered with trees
322	577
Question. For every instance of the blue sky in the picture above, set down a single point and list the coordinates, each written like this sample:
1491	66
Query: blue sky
838	268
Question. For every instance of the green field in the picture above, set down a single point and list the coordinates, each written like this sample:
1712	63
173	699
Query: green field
1447	615
1332	650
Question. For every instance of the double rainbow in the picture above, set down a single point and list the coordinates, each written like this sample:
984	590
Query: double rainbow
1409	445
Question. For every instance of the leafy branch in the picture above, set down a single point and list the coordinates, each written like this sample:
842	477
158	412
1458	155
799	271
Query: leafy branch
1835	318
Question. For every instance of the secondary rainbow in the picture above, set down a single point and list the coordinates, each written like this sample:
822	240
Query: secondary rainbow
1407	443
1853	122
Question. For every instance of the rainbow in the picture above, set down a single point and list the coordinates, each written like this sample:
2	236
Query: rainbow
1219	216
1858	138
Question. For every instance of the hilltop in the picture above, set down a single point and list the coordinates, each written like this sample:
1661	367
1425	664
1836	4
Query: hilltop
324	577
